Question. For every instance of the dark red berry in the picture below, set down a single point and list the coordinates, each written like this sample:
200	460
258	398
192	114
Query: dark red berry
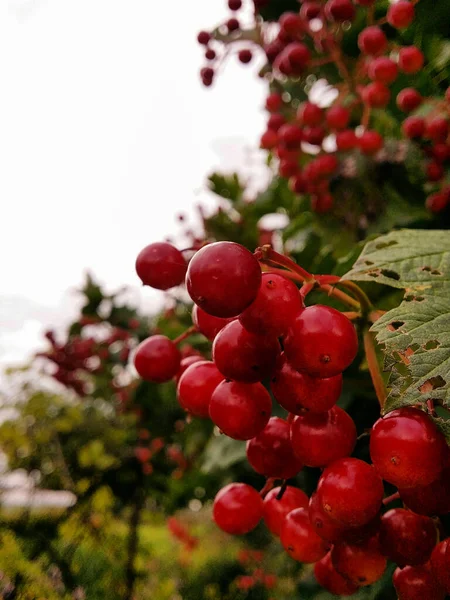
346	140
203	38
240	410
275	511
186	363
321	341
310	10
293	59
291	24
207	324
340	10
310	114
274	102
372	40
432	499
361	564
314	135
161	266
437	129
440	152
270	452
350	491
210	54
416	583
383	69
234	4
269	139
238	508
407	449
223	279
440	564
409	99
328	578
157	359
370	142
275	121
376	94
410	59
298	183
337	117
196	387
300	540
434	171
437	202
400	14
288	168
245	56
321	203
232	24
290	136
413	127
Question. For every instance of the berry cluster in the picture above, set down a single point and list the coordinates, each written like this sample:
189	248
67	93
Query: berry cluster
257	577
314	145
267	344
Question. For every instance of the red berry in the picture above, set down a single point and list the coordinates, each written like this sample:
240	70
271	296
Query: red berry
400	14
232	24
274	102
410	59
440	564
240	410
310	114
346	140
278	302
372	40
365	2
244	356
161	266
409	99
186	363
298	183
340	10
269	139
440	152
327	577
319	439
413	127
157	359
376	94
234	4
207	324
383	69
300	540
326	164
437	202
142	454
291	24
431	499
196	387
314	135
293	59
207	75
203	38
310	10
275	511
407	538
361	564
245	56
350	491
322	203
275	121
321	341
437	129
337	117
296	391
270	452
370	142
273	49
288	168
416	583
210	54
434	171
407	449
290	136
223	279
237	508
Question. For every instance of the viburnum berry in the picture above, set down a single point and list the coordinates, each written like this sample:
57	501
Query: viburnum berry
206	324
407	449
370	142
376	94
298	183
437	202
210	54
186	363
288	168
437	129
274	102
362	564
434	171
232	24
319	439
413	127
350	492
234	4
161	266
237	508
296	57
203	38
300	540
290	136
337	117
275	121
340	10
275	511
440	152
310	114
157	359
400	14
244	356
321	203
277	303
240	410
410	59
440	564
372	40
383	69
269	139
245	56
270	452
207	76
291	25
314	135
223	279
327	577
346	140
416	583
310	10
432	499
321	341
196	387
408	100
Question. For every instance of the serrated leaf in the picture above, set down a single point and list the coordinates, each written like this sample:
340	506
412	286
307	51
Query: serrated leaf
416	334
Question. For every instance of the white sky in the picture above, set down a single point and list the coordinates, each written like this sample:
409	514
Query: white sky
105	135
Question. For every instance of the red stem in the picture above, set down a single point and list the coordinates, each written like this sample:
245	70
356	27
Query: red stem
270	482
391	498
185	335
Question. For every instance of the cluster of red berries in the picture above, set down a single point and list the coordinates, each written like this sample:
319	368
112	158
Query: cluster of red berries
262	332
252	559
312	145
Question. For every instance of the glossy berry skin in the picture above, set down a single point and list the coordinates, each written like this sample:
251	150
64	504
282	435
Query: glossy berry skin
237	508
274	102
161	266
413	127
245	56
410	59
407	538
278	302
232	24
196	387
350	492
300	540
400	14
407	449
340	10
290	136
240	410
203	38
234	4
269	139
383	69
157	359
361	564
243	356
296	391
440	564
293	60
223	279
337	117
208	325
186	363
434	171
328	578
319	439
408	100
370	142
416	583
376	94
432	499
346	140
275	511
310	114
372	41
437	202
321	341
270	452
437	129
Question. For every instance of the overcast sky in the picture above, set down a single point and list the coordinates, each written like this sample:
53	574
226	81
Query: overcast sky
105	135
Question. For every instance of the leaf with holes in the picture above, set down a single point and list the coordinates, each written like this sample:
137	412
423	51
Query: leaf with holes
416	335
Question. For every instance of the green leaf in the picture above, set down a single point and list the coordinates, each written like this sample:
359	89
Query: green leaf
416	334
226	186
221	453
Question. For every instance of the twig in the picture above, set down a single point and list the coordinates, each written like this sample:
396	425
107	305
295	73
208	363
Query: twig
374	368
